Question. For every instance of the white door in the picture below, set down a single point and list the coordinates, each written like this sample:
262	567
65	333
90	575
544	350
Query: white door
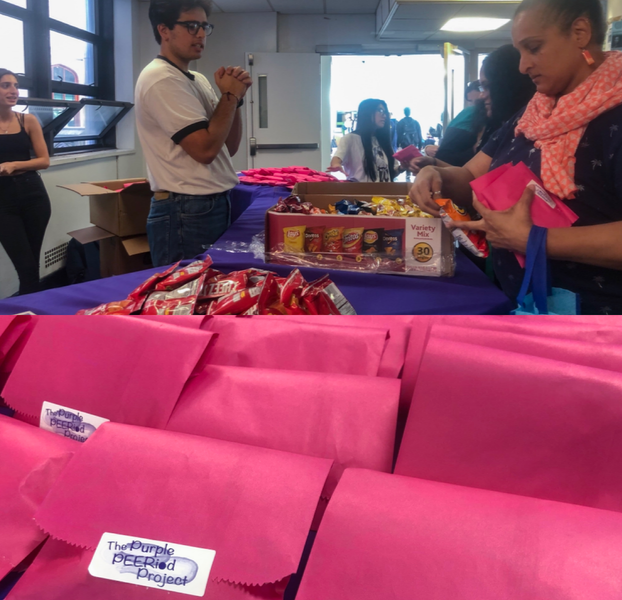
284	114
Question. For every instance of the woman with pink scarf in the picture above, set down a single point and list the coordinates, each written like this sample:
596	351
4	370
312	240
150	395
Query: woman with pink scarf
570	135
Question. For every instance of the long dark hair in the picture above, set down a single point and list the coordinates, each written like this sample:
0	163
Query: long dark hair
510	90
366	128
565	12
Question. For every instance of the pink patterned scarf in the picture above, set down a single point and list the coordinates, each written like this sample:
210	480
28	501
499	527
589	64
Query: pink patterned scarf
557	129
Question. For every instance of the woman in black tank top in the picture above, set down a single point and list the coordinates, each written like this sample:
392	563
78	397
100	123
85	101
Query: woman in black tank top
24	204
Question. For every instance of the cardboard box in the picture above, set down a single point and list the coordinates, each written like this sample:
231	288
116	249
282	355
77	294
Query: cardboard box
117	256
427	245
120	206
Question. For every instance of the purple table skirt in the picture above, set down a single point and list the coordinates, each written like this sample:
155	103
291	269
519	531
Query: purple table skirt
469	292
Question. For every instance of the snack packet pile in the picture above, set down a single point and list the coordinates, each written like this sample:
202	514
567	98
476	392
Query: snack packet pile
286	176
294	205
378	207
200	290
474	241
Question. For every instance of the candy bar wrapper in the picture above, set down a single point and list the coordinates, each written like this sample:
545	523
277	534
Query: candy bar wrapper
532	426
384	536
32	460
290	411
120	307
14	335
235	500
504	190
178	302
122	369
139	295
279	344
184	275
398	328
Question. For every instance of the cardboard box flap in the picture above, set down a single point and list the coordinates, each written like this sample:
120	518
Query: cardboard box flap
87	189
258	531
136	245
90	234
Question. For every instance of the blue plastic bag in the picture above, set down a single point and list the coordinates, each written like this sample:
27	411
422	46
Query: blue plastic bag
543	299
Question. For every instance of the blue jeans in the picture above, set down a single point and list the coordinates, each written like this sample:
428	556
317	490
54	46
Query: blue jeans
183	227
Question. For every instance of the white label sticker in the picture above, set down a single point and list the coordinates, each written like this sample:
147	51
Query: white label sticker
70	423
542	193
137	561
423	246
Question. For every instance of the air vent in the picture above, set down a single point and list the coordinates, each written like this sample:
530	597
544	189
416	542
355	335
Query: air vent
56	255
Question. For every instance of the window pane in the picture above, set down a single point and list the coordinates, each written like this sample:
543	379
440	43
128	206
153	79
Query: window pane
83	145
21	3
12	44
79	13
45	114
90	121
72	59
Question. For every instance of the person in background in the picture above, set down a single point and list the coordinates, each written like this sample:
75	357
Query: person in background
393	123
570	136
366	154
473	93
504	92
25	207
188	134
409	132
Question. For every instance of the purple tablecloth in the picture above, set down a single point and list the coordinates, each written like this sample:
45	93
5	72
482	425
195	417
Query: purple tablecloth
469	292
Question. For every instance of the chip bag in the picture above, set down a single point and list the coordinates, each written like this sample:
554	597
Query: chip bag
333	239
353	240
474	241
294	239
314	239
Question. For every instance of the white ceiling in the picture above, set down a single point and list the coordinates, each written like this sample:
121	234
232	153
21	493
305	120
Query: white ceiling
422	21
298	7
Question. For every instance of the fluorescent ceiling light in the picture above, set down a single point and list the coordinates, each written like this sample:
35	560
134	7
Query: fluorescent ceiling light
474	24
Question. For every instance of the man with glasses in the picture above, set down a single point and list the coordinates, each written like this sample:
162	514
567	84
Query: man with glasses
188	134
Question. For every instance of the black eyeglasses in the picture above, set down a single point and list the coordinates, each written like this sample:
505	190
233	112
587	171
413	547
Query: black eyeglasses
484	87
381	110
194	26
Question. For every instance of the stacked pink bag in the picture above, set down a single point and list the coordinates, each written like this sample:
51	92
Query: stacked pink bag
507	484
262	417
285	177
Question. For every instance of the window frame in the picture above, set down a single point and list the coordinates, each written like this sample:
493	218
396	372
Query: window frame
37	79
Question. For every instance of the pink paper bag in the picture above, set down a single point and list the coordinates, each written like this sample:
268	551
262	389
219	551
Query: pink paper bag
14	334
346	418
123	369
295	346
31	461
394	354
507	189
388	537
251	505
597	330
515	423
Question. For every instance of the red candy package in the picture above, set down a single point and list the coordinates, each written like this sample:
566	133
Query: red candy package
123	307
236	303
323	297
142	291
181	301
223	285
182	276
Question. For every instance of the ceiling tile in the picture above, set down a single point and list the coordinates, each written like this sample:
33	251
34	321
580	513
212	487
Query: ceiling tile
243	6
415	25
351	7
298	7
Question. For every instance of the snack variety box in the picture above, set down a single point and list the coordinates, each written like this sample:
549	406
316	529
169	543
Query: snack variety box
378	244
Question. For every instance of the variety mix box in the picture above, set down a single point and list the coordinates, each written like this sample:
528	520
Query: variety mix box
363	242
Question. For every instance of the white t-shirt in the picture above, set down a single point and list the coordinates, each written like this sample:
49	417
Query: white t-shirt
169	106
352	155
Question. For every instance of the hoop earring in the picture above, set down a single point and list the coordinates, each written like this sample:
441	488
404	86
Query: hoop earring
589	59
